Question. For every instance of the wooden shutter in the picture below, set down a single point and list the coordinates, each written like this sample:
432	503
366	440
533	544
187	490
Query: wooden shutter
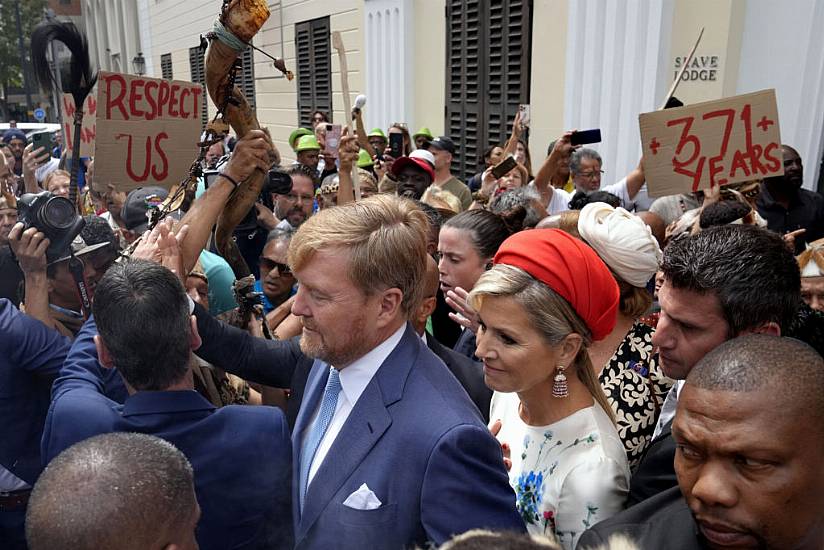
166	66
314	69
488	50
198	70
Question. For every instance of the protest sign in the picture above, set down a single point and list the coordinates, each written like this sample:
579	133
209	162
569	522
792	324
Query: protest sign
712	143
147	130
87	130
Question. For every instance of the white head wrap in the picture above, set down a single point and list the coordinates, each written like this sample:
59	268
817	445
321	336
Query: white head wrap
623	241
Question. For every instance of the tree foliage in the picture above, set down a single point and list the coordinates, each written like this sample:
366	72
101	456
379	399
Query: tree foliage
31	13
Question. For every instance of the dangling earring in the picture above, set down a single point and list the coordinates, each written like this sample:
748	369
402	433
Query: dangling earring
560	388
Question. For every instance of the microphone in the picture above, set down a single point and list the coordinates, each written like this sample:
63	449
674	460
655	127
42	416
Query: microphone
360	101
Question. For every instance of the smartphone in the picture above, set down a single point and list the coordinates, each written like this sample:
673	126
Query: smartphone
585	136
525	116
502	168
43	139
333	132
396	145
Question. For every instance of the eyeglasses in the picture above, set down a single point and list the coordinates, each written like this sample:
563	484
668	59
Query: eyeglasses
271	265
594	175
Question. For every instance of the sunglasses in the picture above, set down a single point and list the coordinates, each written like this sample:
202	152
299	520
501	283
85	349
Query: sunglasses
283	269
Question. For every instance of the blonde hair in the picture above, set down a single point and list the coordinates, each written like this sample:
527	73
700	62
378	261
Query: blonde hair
53	174
548	312
814	254
386	238
436	197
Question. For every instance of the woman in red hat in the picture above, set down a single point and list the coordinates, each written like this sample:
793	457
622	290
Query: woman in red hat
546	298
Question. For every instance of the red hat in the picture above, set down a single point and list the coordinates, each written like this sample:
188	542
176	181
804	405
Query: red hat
570	268
421	158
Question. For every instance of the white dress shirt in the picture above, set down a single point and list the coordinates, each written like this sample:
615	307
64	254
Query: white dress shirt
668	408
353	380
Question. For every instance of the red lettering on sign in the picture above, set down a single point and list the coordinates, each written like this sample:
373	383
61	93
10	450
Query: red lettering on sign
161	174
173	100
715	168
112	102
162	97
654	145
185	92
773	162
135	96
680	166
197	93
739	163
765	123
146	166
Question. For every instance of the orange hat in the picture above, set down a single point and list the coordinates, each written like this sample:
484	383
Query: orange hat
570	268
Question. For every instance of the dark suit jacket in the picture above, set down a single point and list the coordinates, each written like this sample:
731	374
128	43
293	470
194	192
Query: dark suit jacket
468	372
240	455
466	345
664	521
414	437
30	358
656	471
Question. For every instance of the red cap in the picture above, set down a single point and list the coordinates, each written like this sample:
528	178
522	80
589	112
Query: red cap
418	159
570	268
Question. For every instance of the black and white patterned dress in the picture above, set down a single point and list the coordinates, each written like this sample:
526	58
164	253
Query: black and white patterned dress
635	388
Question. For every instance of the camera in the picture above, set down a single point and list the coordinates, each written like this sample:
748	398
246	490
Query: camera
54	216
277	182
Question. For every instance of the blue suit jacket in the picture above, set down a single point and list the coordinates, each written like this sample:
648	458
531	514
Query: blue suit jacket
240	455
30	358
415	438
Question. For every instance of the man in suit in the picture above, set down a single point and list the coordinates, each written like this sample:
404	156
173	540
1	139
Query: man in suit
30	358
721	283
748	459
389	451
121	490
468	372
241	456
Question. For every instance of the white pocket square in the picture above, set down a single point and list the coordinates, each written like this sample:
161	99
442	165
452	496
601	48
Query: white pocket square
362	499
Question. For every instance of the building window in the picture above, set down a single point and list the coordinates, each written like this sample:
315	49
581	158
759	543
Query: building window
166	66
314	64
245	78
198	70
488	50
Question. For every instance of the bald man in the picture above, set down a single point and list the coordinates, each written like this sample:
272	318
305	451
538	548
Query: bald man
468	372
749	434
119	490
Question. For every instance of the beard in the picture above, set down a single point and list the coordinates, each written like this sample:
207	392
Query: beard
343	350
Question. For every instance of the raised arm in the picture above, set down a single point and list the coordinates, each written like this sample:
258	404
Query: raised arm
512	143
635	180
251	153
550	167
348	156
29	247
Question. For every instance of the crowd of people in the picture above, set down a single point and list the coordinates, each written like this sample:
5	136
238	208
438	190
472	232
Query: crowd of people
532	358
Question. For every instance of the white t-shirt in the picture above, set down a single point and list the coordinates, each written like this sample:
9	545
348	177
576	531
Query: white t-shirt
560	198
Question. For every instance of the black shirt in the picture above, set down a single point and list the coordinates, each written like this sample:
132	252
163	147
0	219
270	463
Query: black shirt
806	212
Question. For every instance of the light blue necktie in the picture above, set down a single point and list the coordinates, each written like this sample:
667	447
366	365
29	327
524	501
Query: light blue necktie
318	429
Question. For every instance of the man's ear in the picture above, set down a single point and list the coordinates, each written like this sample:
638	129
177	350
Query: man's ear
390	304
770	329
103	354
426	309
194	338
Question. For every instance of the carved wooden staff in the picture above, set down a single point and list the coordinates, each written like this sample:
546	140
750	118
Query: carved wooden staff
337	43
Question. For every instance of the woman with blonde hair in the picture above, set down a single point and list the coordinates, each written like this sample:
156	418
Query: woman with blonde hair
544	301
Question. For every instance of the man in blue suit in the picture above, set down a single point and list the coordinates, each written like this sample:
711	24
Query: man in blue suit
30	358
241	456
388	449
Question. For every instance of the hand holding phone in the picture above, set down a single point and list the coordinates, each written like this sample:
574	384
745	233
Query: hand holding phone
525	115
396	145
43	139
502	168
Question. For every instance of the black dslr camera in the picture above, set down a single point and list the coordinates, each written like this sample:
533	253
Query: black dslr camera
277	182
54	216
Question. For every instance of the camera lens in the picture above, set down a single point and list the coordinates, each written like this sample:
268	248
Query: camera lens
58	214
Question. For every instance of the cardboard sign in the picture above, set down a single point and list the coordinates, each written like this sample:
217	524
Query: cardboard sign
712	143
87	130
147	130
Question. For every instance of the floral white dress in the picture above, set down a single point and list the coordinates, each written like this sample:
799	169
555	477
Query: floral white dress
567	476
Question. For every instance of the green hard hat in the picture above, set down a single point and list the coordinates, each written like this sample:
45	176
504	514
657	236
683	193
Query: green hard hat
307	143
377	132
424	131
364	159
300	132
